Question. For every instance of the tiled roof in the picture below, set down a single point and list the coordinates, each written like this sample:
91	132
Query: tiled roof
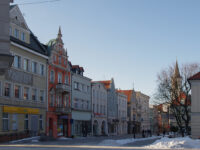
77	67
34	44
106	83
128	93
195	77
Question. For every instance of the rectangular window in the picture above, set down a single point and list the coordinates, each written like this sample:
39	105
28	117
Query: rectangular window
26	64
22	36
41	123
52	76
59	78
14	122
5	121
42	95
59	59
26	122
41	69
66	79
17	91
10	30
34	94
52	100
26	93
17	61
34	67
7	89
17	33
75	85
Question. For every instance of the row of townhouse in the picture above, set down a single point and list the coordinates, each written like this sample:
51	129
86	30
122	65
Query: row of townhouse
43	93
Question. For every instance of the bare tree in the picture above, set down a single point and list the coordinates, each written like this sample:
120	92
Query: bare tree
174	89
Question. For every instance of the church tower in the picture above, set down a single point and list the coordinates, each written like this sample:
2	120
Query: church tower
176	78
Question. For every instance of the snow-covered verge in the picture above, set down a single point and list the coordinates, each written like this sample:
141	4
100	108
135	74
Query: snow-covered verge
173	143
124	141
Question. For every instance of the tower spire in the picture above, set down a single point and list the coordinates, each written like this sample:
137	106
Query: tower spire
59	37
176	71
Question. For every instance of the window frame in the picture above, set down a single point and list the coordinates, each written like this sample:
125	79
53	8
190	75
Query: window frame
5	119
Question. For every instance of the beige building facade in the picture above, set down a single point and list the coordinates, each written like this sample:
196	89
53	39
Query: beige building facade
23	89
143	102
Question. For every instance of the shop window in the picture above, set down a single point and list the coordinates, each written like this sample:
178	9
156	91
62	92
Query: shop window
34	94
26	93
17	91
26	122
14	122
34	67
17	61
42	95
7	89
41	122
26	64
5	121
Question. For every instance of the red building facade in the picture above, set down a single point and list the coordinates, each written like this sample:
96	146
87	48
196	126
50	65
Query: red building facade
59	90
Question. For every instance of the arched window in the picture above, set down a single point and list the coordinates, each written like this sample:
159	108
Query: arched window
52	76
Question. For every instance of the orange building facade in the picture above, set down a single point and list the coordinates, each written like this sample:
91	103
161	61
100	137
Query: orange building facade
59	90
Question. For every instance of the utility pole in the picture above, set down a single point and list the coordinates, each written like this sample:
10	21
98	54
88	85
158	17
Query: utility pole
6	58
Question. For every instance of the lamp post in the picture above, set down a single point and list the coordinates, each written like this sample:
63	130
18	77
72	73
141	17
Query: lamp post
6	58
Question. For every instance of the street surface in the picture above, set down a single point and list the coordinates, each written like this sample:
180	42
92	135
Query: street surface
94	143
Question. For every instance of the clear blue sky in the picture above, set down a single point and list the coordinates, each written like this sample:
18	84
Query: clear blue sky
130	40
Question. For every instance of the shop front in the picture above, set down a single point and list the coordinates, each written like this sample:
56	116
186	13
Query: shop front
81	124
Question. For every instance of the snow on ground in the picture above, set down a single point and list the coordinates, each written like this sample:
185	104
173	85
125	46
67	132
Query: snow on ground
168	143
26	139
64	138
124	141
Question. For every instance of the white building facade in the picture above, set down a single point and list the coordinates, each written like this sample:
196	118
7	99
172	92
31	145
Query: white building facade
99	109
122	113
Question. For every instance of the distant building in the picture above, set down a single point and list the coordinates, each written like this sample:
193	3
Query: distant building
112	106
23	90
59	89
122	113
153	114
81	102
143	101
195	106
99	109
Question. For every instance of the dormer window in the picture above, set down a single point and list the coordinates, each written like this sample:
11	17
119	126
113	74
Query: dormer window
22	36
17	33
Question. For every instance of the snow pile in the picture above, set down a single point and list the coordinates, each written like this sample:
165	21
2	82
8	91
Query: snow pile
124	141
64	138
168	143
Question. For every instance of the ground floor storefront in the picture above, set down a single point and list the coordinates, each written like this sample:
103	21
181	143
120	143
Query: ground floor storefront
58	125
81	123
99	126
122	128
20	122
134	127
112	126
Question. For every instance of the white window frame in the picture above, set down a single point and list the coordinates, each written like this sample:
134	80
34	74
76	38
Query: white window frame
16	33
28	64
17	64
23	36
42	72
28	98
32	92
9	90
42	94
59	77
34	67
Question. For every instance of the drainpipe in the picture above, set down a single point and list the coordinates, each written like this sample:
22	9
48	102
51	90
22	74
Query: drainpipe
6	58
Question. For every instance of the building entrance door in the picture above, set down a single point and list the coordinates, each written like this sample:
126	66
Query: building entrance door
34	125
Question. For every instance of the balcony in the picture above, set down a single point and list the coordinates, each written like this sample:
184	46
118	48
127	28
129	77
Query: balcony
62	109
63	88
